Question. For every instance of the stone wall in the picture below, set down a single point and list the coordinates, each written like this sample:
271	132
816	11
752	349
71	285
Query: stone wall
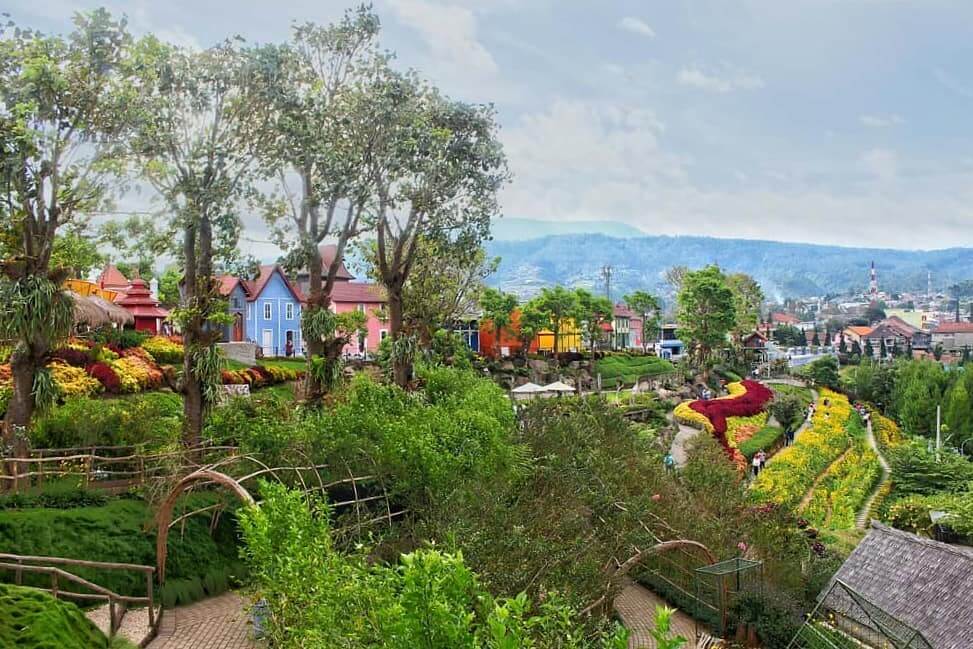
245	353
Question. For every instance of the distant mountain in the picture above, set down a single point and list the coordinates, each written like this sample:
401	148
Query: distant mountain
505	229
783	269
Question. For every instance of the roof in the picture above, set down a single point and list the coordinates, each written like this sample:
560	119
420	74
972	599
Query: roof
255	287
924	583
328	252
784	318
954	328
358	292
228	283
622	311
111	277
859	331
139	301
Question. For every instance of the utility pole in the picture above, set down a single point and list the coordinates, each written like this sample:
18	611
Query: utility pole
606	273
939	431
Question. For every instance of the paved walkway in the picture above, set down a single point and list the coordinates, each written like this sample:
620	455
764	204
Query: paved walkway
635	605
680	442
214	623
861	520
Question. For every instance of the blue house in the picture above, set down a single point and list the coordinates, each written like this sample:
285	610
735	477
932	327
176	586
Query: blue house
267	311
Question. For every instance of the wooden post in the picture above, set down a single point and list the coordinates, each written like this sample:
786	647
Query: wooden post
20	573
148	588
111	618
54	584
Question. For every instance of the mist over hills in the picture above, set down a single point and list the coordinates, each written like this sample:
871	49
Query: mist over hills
783	269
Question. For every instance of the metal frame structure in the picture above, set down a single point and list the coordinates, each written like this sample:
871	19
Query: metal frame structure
718	586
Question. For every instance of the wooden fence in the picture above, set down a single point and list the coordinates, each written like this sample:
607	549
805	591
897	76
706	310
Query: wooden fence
60	578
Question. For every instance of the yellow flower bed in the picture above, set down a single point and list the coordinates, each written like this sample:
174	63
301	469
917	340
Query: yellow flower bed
887	432
686	415
740	429
793	470
163	350
73	381
843	489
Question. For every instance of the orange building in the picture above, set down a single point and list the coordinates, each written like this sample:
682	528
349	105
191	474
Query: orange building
509	341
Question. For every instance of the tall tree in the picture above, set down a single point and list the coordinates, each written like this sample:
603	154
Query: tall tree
530	322
61	118
706	311
592	313
958	413
650	310
77	253
314	94
498	310
748	298
137	241
190	144
436	176
558	306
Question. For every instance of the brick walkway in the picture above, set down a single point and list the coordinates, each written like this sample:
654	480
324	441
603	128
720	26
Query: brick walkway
214	623
635	605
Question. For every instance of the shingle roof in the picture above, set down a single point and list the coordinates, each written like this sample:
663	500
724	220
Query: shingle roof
924	583
954	328
358	293
255	287
328	252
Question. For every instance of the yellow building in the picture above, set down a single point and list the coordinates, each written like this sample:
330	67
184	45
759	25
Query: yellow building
569	339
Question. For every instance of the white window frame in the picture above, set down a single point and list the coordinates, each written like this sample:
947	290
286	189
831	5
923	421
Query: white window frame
289	311
383	334
268	311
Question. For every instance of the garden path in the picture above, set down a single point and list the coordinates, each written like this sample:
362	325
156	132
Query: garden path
214	623
861	520
635	605
681	441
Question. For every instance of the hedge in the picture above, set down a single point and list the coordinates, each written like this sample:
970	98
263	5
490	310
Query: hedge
31	618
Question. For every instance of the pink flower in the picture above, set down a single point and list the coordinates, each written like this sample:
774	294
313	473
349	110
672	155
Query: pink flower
742	547
656	497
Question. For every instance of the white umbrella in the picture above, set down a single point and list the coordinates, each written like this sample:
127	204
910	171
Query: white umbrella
527	390
558	386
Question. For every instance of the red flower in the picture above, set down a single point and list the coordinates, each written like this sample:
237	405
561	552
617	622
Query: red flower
105	375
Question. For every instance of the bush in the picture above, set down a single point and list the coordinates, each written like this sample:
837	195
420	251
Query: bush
34	619
764	439
153	418
120	338
72	381
164	350
105	375
72	356
626	368
54	497
777	620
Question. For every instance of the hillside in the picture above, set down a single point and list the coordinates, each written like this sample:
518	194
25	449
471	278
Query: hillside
783	269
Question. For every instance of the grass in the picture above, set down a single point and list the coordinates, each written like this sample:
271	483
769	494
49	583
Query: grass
288	363
34	619
762	439
627	368
804	394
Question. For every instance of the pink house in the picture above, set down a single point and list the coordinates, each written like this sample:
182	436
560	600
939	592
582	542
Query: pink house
351	295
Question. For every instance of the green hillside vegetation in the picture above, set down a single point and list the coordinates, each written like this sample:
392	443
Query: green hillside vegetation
626	368
35	620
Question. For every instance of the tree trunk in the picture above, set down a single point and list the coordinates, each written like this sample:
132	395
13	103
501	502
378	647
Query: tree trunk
19	412
192	405
313	387
401	366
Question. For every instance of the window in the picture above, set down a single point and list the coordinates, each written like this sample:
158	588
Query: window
267	311
361	308
289	311
383	334
236	303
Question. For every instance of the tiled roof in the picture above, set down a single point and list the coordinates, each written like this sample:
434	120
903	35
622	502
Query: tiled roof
328	252
784	318
924	583
256	287
111	277
228	283
860	331
622	311
954	328
358	293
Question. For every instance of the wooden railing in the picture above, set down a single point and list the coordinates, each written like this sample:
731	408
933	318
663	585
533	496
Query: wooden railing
105	467
117	604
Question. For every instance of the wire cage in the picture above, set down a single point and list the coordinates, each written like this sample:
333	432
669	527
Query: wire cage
718	586
845	619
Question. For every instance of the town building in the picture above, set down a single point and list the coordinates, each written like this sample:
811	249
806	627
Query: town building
112	279
669	346
266	311
896	334
622	327
953	336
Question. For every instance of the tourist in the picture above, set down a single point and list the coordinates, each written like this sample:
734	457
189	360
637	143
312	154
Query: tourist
790	434
763	458
756	465
669	462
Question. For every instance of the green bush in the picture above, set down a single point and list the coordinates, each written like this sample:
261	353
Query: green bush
917	470
122	338
36	620
764	439
119	531
777	620
626	368
5	395
146	418
57	496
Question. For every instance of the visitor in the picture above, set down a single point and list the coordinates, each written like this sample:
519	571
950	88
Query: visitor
669	462
790	434
289	348
763	458
756	465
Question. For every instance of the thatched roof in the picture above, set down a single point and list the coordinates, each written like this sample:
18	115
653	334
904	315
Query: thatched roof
924	583
119	315
97	312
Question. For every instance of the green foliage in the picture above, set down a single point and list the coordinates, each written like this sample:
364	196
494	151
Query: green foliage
917	471
498	308
662	627
119	531
649	309
151	418
591	313
122	338
762	440
788	407
625	368
824	372
36	620
919	387
748	298
76	252
775	616
789	336
706	310
321	597
55	496
556	306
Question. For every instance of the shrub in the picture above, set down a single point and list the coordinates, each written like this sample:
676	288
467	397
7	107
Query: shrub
763	440
739	430
72	381
626	368
72	356
106	376
163	350
120	338
66	497
153	418
31	618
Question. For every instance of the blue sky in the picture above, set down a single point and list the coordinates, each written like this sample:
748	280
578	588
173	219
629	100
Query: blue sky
829	121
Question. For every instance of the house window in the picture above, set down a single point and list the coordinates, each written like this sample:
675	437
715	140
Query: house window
236	303
361	308
289	311
267	310
383	334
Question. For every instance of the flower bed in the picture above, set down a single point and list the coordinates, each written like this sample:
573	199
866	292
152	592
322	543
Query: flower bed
741	429
745	399
164	350
887	432
260	376
792	473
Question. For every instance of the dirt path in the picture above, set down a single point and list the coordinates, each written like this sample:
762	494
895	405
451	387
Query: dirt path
862	518
635	606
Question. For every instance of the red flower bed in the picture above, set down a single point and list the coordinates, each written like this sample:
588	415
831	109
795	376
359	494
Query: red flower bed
106	376
749	403
74	357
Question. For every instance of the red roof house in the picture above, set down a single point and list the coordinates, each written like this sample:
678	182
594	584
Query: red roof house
112	279
145	308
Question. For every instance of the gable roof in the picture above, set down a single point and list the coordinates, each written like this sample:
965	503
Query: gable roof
111	277
954	328
859	331
924	583
783	318
256	287
358	293
328	252
228	283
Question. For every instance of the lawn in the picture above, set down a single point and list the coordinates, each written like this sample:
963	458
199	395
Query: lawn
627	368
288	363
804	394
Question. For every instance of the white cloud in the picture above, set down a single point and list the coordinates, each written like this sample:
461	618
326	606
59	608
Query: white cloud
883	164
636	26
881	121
449	31
723	81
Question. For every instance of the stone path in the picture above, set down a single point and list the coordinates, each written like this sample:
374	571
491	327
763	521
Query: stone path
214	623
635	606
135	623
862	518
680	442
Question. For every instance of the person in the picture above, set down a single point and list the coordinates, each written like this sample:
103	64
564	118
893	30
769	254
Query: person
763	458
669	462
756	464
289	348
790	434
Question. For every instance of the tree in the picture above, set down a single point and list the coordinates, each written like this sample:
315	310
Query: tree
789	336
918	389
883	351
138	241
869	350
190	144
786	408
61	118
436	175
314	94
815	341
827	337
843	346
824	372
875	313
958	413
591	315
557	306
937	351
674	277
169	286
706	311
498	309
76	253
856	348
530	323
748	297
649	308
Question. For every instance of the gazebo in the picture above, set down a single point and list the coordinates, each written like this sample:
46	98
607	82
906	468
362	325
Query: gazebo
139	301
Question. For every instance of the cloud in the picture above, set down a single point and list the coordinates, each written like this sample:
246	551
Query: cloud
449	31
724	81
881	121
883	164
636	26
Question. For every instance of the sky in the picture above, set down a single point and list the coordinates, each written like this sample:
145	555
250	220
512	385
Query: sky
826	121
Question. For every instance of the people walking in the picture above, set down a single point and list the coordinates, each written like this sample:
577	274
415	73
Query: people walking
755	464
669	462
